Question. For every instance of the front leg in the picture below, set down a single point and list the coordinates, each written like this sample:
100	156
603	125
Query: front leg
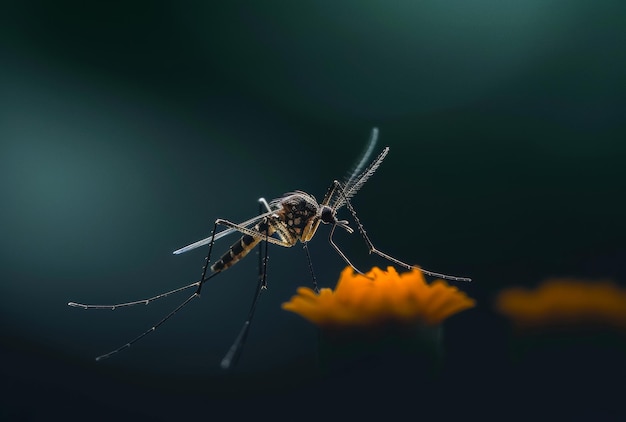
372	249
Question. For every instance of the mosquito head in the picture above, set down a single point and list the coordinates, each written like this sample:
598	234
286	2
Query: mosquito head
327	215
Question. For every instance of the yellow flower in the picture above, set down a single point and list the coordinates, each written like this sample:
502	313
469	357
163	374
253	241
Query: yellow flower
565	303
380	298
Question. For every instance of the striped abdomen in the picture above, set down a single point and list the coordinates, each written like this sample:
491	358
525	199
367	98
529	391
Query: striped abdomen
241	248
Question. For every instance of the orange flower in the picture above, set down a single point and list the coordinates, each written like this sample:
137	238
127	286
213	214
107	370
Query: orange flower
565	303
380	298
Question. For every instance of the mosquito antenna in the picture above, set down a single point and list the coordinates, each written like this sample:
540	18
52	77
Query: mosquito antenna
348	191
367	152
232	356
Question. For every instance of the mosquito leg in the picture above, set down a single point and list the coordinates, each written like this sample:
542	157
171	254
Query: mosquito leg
263	257
372	249
308	257
197	284
233	353
265	204
136	302
339	251
207	260
232	356
263	272
162	321
154	327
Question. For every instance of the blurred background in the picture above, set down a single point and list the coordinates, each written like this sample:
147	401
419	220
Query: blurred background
126	129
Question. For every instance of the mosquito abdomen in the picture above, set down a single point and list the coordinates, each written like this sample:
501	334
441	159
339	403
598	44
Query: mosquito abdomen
241	248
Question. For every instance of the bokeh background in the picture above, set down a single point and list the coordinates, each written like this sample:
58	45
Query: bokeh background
127	128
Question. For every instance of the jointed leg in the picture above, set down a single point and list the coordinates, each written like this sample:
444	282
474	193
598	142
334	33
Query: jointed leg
232	356
340	252
372	249
308	256
197	284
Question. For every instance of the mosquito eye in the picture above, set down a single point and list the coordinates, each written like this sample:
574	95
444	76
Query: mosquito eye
327	215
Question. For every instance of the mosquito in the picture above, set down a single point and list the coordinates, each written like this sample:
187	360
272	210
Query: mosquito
284	221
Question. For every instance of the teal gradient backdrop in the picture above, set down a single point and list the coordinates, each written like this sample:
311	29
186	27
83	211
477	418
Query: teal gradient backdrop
127	129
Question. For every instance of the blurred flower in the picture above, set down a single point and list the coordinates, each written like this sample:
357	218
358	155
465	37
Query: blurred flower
563	303
379	299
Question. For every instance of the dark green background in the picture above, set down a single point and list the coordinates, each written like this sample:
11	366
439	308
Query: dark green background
126	129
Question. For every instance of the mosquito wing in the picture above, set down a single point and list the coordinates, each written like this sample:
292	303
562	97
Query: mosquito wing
221	234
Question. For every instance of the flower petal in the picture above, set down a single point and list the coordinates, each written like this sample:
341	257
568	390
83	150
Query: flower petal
379	298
